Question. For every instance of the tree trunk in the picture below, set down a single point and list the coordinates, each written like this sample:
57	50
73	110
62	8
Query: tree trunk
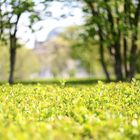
125	44
103	63
102	57
12	58
133	56
125	49
133	52
95	14
118	62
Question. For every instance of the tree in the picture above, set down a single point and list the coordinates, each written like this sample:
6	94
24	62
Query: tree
11	12
115	22
85	53
98	28
24	69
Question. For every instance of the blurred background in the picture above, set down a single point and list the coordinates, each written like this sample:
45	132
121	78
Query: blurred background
46	39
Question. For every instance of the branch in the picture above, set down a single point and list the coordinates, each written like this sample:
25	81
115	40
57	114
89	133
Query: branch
16	24
110	16
137	14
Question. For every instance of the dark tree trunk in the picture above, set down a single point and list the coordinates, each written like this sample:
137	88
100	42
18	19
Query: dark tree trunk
12	58
133	55
95	14
133	52
125	49
116	44
118	62
125	44
103	63
102	57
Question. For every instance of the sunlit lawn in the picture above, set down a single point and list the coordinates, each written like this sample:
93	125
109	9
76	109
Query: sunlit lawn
59	112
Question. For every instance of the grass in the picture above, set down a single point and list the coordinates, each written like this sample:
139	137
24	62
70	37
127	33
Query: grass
67	81
75	112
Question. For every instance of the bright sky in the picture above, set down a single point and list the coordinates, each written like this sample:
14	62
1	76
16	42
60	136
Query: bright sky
47	25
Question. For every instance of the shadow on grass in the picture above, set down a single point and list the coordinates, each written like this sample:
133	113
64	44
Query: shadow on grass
84	81
73	81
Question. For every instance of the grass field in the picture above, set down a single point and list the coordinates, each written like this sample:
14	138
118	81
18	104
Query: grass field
70	112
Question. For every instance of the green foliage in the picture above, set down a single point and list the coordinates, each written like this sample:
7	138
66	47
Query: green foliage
4	63
27	64
11	12
85	49
10	16
99	112
115	25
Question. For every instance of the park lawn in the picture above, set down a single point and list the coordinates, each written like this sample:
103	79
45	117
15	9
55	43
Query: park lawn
75	112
